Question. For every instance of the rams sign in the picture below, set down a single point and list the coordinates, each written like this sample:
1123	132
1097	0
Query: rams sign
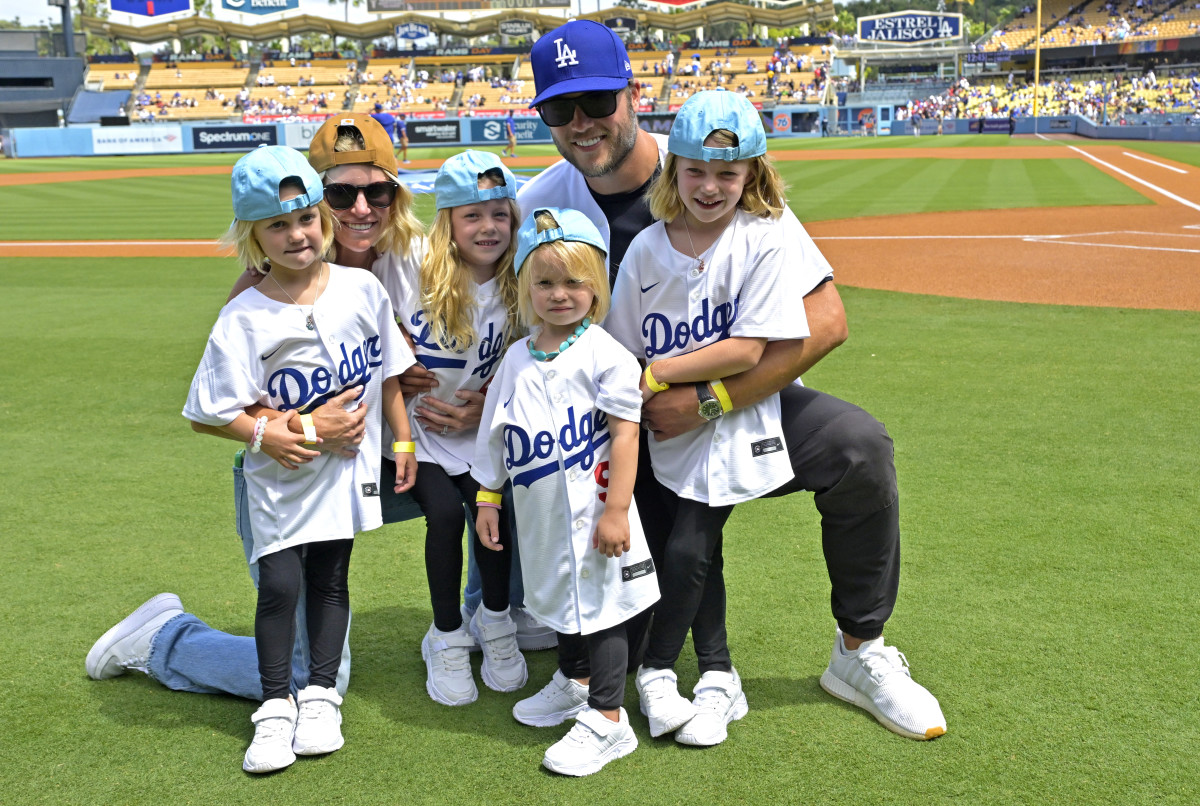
910	28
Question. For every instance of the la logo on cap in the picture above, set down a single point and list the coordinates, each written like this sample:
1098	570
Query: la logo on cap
566	56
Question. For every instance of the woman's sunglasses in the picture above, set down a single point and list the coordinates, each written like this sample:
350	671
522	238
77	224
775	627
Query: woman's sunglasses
560	111
380	195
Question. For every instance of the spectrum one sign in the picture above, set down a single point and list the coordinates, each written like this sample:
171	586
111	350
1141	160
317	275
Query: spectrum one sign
910	27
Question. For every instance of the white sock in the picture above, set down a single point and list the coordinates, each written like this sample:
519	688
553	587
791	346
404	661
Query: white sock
492	616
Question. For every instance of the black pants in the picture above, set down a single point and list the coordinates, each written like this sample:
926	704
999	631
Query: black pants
692	583
604	656
845	457
324	568
441	497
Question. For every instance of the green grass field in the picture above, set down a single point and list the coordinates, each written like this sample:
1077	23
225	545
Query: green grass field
1047	461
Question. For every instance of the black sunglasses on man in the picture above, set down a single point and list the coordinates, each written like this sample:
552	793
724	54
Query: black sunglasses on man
560	111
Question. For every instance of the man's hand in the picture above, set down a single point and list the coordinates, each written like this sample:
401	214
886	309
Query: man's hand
672	412
341	430
438	415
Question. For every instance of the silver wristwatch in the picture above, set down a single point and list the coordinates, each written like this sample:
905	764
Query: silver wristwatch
710	407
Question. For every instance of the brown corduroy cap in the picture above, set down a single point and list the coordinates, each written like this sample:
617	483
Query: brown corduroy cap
379	151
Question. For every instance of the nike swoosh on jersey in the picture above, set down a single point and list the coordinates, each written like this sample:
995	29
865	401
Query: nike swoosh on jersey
647	288
268	355
510	398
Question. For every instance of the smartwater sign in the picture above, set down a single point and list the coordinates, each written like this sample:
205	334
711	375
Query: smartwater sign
910	28
259	6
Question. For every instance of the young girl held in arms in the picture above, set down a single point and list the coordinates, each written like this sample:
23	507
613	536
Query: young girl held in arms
699	295
304	335
461	312
561	423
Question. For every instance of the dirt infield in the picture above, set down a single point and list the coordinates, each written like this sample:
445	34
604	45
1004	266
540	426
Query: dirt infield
1136	257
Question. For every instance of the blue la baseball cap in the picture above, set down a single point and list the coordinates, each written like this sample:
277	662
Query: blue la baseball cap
258	175
580	56
572	226
707	111
457	181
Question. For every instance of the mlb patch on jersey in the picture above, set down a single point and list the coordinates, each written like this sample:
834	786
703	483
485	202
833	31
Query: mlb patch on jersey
370	490
637	570
763	447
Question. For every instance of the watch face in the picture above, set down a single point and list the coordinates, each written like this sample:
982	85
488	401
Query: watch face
710	409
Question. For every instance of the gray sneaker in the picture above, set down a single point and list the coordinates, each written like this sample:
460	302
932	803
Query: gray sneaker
127	645
532	635
561	699
448	663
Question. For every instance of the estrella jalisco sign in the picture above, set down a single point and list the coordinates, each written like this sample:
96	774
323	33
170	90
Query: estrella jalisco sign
910	27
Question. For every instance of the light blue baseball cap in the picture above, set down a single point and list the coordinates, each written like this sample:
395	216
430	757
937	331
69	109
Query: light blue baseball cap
707	111
258	175
457	181
572	226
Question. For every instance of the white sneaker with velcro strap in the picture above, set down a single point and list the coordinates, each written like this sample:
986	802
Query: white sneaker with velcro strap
559	700
503	667
592	742
448	664
318	722
876	678
274	726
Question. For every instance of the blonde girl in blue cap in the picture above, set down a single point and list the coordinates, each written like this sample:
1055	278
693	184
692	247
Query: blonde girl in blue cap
560	424
306	334
460	309
699	295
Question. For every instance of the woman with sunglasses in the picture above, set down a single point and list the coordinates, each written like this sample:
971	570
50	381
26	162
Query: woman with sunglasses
379	233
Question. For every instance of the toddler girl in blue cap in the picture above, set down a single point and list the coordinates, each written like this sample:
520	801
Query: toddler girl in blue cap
560	424
699	294
460	309
304	335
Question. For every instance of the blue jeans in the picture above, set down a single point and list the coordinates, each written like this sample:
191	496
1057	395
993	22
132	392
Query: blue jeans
473	592
189	655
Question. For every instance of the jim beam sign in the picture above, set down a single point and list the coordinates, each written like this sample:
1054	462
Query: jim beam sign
910	28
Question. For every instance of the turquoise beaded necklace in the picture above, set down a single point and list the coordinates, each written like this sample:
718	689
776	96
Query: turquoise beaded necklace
538	355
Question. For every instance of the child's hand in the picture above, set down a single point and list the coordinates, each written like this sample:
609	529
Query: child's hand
611	537
487	525
284	446
406	471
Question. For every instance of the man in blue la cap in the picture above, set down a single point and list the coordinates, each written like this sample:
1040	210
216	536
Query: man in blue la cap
587	96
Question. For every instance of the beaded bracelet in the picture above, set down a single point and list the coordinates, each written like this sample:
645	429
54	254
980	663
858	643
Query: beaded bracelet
260	428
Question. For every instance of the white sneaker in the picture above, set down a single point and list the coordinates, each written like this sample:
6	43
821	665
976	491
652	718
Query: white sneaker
876	678
274	724
561	699
127	645
719	701
532	635
503	667
594	741
448	664
318	722
660	701
467	615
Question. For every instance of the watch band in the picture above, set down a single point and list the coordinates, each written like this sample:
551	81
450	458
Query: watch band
710	407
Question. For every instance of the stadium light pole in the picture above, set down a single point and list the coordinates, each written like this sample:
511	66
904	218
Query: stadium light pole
1037	65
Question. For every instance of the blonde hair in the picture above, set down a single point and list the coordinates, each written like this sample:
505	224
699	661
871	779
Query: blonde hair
401	231
764	195
446	285
579	260
240	237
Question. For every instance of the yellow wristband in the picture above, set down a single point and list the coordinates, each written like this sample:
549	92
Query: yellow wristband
484	497
654	385
404	447
310	430
722	395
